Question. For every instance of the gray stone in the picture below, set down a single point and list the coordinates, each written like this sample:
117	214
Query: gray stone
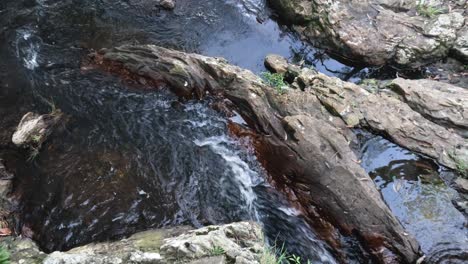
276	63
34	129
168	4
174	245
379	32
461	185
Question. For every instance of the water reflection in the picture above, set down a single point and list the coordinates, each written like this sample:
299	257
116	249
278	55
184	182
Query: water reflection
411	187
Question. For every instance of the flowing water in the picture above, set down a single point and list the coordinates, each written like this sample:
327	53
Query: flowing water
129	159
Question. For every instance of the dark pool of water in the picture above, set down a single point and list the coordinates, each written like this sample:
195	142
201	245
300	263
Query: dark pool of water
413	188
129	160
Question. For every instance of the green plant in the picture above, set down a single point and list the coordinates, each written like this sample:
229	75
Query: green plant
272	255
461	165
36	138
33	154
294	259
276	80
217	251
4	256
428	10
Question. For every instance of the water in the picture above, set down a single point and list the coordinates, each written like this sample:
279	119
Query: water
416	194
130	159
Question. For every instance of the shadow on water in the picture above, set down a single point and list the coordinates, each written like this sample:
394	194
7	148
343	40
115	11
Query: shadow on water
414	189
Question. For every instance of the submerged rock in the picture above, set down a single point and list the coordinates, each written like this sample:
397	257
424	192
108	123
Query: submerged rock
304	148
240	242
377	32
34	129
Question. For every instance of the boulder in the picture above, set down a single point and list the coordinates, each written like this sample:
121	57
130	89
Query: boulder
240	242
378	32
34	129
303	147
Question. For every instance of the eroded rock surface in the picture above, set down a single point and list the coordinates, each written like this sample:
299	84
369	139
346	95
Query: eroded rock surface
240	242
383	111
303	146
34	129
378	32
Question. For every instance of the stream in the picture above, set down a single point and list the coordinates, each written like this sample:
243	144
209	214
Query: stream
130	159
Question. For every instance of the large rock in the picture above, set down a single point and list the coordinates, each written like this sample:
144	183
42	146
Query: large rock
378	32
386	113
439	102
302	146
240	242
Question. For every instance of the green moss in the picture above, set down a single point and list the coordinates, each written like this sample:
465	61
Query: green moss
149	240
428	11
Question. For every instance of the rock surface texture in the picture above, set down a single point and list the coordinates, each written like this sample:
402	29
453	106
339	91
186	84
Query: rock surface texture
34	129
303	146
240	242
377	32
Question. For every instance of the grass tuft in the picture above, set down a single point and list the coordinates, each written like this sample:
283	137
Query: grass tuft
427	10
275	80
217	251
4	256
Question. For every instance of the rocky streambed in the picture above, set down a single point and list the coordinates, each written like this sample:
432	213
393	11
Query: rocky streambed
194	148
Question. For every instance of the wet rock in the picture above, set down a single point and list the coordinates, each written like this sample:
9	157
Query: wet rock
239	242
167	4
378	32
300	143
276	63
34	129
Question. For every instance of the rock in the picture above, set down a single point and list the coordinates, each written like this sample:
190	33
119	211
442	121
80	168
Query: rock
22	250
303	147
168	4
385	113
461	185
379	32
5	188
460	49
34	129
240	242
439	102
276	63
4	174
